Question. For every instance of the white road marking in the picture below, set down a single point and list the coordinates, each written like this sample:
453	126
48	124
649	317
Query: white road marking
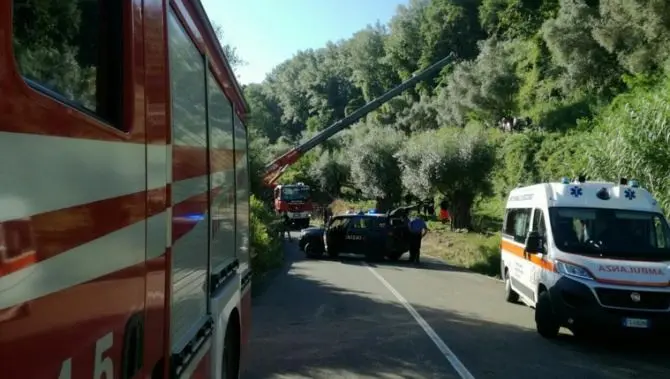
444	349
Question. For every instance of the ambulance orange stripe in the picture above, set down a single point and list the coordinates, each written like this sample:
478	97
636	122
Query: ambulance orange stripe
518	251
547	265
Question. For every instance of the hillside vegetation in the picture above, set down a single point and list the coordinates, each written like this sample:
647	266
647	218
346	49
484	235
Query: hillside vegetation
586	80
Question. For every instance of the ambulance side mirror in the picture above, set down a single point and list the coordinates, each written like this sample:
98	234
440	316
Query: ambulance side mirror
534	243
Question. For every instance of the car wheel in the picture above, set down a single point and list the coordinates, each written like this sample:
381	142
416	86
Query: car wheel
374	257
510	295
394	257
310	251
545	319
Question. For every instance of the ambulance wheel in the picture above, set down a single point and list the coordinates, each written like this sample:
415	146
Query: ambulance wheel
545	320
510	295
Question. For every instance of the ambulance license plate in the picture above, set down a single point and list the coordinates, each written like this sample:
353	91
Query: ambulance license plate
636	323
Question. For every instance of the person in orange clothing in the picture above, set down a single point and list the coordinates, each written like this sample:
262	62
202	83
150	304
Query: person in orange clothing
444	212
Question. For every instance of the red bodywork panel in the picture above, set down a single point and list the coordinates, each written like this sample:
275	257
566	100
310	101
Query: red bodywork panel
73	272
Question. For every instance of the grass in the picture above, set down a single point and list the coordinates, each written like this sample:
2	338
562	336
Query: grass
340	206
477	251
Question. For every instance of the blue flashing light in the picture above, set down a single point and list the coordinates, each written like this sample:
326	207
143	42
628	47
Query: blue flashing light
634	183
195	217
565	180
372	211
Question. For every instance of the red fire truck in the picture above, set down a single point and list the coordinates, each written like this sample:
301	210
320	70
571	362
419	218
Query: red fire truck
124	189
296	201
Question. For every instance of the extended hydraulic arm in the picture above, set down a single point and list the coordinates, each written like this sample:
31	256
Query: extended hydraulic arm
274	169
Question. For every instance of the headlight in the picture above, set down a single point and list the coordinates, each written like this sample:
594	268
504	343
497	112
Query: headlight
573	270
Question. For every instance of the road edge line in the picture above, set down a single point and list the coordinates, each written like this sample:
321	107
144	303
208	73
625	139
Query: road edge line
457	365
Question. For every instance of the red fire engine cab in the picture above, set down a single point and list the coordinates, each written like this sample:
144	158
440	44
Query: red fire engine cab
295	200
124	193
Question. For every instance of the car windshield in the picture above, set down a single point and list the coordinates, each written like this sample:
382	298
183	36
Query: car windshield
295	193
611	232
368	222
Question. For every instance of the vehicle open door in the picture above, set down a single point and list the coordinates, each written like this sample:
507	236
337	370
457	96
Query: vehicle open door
399	219
357	237
335	236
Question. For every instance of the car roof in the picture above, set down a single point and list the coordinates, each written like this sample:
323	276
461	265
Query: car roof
366	215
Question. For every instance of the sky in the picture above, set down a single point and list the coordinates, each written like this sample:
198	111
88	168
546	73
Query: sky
268	32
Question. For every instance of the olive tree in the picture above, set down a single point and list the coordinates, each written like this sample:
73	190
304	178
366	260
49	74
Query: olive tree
453	162
375	168
331	171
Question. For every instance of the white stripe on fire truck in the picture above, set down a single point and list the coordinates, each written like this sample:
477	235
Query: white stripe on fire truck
159	166
40	173
111	253
188	188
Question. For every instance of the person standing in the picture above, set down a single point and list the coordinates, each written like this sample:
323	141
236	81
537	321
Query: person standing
326	215
444	211
419	206
428	207
287	226
417	230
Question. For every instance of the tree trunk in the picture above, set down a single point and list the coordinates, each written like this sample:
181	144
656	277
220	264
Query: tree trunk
461	218
382	205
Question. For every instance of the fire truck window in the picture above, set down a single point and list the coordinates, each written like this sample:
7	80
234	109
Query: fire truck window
242	190
295	193
72	51
220	113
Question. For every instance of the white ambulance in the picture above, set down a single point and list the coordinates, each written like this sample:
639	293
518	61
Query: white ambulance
588	255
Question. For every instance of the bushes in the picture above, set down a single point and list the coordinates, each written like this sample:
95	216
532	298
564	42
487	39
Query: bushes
266	247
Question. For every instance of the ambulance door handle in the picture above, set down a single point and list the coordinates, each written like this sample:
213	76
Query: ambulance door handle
133	346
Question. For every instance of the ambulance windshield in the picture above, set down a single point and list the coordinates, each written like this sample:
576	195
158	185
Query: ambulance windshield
611	232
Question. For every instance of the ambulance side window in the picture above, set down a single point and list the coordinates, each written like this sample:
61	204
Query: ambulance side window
538	222
661	233
517	223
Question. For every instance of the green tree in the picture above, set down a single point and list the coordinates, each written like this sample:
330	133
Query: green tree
374	166
631	140
234	58
451	162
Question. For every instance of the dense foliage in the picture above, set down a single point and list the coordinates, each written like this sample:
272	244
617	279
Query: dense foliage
585	80
264	229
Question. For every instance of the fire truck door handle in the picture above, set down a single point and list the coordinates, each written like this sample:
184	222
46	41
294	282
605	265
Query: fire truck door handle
133	346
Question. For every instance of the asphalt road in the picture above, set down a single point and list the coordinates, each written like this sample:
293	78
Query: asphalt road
347	319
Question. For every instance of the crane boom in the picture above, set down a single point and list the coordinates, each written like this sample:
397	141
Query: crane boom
275	168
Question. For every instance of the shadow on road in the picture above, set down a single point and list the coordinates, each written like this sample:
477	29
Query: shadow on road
321	319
